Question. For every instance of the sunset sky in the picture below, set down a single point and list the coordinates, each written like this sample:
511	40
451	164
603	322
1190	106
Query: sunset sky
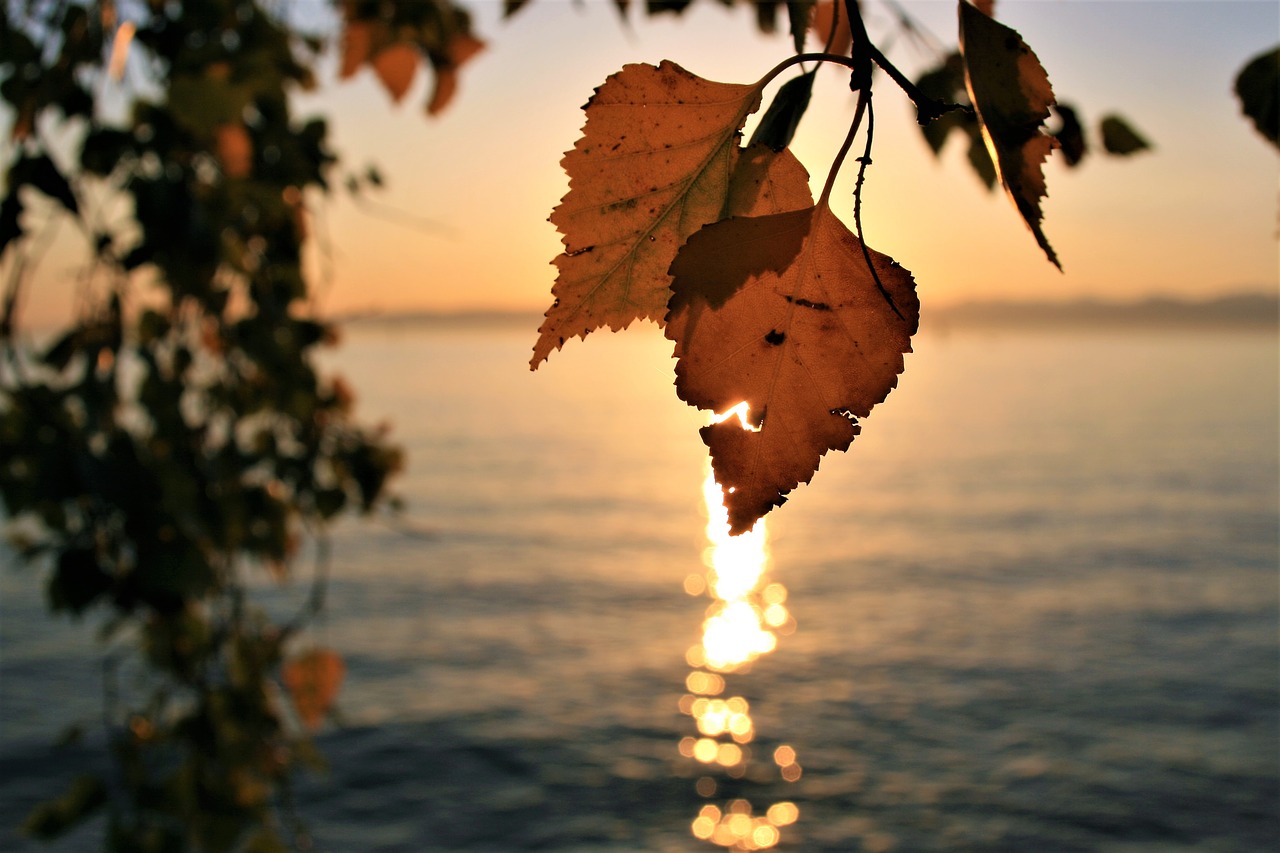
1197	216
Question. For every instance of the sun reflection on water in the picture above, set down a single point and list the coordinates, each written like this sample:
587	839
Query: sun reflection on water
746	616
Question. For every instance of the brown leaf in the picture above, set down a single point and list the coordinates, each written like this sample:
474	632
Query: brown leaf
767	181
1257	87
234	149
807	339
25	123
461	48
443	89
1010	91
357	46
313	680
395	66
824	17
652	167
764	182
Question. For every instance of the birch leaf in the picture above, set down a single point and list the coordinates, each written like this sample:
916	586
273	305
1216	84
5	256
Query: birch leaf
461	48
1119	137
779	123
234	149
652	167
825	18
313	680
1258	88
358	41
1070	135
767	181
1010	91
396	66
807	339
798	12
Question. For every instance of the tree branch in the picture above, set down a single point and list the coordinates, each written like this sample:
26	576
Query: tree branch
865	53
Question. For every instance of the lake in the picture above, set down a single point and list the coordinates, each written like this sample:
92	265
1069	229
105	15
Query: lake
1034	607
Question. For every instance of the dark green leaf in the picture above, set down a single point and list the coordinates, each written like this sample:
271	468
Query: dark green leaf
1119	138
980	157
41	173
1010	92
75	101
103	148
265	840
10	226
200	104
655	7
945	83
59	355
137	256
1258	88
77	582
510	7
152	326
767	15
16	48
51	819
1071	135
778	124
939	130
81	43
798	12
329	502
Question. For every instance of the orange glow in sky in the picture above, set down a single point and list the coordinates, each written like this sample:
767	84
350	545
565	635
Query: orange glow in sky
462	222
1194	217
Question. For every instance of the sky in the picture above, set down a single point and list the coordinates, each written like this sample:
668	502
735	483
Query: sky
462	222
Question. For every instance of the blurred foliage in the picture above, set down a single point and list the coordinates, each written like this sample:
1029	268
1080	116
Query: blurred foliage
945	81
1258	88
175	439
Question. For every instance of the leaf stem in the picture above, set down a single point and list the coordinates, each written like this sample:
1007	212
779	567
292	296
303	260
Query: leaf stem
799	58
863	162
927	109
864	98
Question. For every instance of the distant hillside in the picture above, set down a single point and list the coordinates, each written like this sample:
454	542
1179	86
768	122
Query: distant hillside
452	319
1251	310
1242	311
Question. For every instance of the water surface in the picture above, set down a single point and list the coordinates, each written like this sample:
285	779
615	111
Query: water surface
1035	608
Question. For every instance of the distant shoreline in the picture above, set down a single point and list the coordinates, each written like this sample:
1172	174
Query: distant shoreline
1244	311
1238	311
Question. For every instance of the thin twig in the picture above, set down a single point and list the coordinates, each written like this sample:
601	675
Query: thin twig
863	162
865	52
862	48
863	99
